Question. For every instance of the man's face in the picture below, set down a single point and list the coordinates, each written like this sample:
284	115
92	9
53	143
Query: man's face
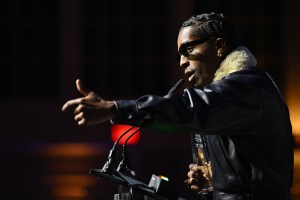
201	62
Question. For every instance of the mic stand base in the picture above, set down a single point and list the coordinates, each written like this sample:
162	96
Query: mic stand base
132	184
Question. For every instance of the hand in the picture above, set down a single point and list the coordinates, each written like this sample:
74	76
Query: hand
197	179
90	109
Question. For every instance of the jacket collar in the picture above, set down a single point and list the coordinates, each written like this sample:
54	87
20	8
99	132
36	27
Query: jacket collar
239	59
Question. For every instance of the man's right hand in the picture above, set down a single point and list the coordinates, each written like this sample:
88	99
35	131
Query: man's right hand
90	109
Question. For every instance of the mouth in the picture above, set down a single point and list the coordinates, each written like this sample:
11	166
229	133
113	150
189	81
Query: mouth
190	75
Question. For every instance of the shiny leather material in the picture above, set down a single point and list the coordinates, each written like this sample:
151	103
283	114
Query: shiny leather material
245	121
263	194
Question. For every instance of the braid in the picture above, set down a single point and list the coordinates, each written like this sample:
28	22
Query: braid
213	25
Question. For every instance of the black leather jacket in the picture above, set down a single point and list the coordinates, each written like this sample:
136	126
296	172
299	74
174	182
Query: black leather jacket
244	119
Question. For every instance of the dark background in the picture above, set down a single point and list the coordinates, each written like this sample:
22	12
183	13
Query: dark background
120	49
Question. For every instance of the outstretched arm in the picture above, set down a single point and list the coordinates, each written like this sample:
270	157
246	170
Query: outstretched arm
90	109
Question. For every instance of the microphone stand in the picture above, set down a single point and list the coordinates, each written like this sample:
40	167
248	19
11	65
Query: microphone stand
125	163
109	171
108	166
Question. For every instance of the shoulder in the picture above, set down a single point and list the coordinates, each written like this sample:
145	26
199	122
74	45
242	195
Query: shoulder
240	82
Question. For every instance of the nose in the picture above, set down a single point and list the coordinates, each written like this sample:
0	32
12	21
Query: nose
184	62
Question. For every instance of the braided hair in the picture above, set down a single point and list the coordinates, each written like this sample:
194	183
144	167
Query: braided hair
213	25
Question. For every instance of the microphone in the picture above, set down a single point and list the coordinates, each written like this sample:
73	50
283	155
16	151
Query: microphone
108	166
176	87
125	163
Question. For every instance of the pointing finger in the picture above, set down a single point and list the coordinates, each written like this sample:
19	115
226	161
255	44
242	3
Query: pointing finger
71	103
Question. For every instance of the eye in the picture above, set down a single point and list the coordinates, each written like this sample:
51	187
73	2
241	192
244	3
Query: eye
189	49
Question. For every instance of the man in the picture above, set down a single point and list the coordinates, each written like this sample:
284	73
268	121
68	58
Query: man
235	107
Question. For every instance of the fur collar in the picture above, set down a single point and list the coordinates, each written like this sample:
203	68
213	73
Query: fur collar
239	59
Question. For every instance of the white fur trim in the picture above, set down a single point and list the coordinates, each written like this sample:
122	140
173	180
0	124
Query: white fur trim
240	58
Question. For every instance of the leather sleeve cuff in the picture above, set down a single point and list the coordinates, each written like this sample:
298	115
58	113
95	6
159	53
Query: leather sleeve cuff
127	111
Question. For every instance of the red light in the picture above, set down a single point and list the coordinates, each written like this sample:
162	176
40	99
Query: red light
118	129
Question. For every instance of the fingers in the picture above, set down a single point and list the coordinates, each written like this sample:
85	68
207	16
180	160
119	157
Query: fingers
197	184
196	178
193	167
71	103
192	181
192	174
80	119
79	115
196	168
83	90
89	97
192	184
90	109
194	187
79	108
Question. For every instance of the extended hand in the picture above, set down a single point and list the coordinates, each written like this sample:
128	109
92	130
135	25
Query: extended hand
90	109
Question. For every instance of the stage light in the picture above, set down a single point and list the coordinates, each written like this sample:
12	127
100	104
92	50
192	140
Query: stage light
118	129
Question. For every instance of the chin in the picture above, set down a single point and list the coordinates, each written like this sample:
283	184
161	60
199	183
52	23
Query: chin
199	85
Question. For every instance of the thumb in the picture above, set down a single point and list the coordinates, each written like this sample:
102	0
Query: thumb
80	87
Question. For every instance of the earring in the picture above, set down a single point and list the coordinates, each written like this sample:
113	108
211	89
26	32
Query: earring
219	53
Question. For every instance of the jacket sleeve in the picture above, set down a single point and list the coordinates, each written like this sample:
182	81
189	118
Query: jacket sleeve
220	108
169	113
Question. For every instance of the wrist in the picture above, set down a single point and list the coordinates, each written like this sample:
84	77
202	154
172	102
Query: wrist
112	110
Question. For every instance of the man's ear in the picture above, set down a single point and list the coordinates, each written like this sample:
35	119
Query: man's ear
221	47
221	44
